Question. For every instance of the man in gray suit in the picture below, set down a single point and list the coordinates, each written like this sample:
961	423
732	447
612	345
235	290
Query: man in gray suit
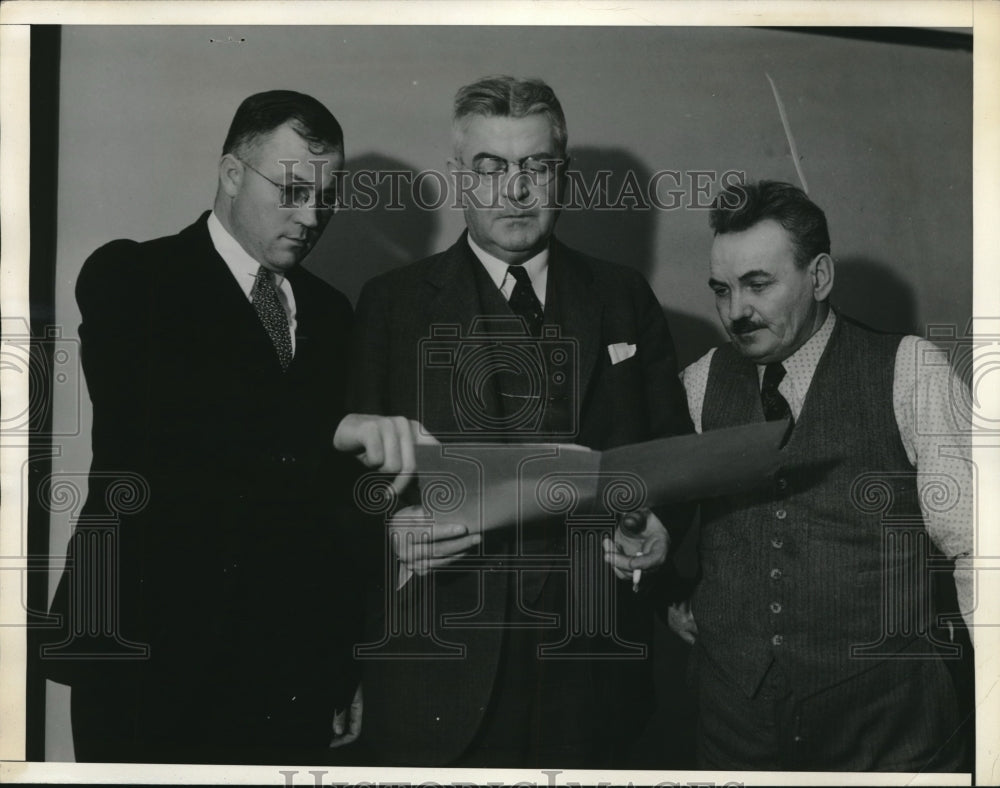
815	643
499	703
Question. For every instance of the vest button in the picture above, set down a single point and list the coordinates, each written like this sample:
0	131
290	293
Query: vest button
781	514
777	640
776	574
777	543
775	607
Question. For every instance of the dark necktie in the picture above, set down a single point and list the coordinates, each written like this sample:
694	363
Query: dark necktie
272	315
523	300
775	406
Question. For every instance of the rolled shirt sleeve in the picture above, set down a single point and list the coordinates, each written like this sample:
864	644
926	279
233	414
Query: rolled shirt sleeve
929	402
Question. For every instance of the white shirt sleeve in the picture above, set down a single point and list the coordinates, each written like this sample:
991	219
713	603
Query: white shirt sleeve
931	408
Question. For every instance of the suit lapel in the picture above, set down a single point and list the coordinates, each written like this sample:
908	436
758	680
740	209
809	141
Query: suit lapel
573	302
226	306
455	301
455	298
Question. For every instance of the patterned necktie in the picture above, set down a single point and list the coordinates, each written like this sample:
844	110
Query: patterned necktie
775	406
272	315
523	300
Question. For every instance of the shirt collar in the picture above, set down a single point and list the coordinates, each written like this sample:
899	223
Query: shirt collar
497	268
801	365
239	261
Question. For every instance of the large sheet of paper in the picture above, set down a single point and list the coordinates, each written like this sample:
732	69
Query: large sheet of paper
485	486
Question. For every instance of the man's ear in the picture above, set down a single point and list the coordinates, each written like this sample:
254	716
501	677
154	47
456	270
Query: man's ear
231	174
822	274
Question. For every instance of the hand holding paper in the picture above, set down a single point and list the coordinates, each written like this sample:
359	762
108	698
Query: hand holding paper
421	544
383	442
485	486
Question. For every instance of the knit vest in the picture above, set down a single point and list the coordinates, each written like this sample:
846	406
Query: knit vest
807	572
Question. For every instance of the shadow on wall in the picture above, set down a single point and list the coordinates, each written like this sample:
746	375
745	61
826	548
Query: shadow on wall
616	226
601	218
871	292
381	228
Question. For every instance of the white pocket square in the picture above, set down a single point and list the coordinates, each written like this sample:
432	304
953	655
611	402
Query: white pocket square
620	351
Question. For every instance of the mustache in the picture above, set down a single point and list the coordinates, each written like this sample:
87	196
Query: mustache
744	325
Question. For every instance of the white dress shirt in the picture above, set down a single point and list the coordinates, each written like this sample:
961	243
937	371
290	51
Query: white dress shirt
932	433
537	268
244	269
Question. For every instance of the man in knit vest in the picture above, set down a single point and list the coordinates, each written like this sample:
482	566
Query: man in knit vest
819	639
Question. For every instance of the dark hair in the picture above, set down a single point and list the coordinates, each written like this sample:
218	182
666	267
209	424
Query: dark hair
742	205
509	97
261	113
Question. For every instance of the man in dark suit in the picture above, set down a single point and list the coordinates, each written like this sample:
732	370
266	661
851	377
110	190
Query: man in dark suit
817	641
502	699
208	601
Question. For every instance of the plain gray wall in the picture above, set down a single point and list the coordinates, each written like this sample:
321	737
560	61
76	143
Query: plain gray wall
884	132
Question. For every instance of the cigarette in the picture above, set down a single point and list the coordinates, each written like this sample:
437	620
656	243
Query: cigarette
636	576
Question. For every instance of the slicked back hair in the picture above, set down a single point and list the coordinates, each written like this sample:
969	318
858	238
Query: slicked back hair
262	113
740	206
508	97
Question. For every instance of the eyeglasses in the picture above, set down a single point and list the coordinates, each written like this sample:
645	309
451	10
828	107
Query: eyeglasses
494	168
296	195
